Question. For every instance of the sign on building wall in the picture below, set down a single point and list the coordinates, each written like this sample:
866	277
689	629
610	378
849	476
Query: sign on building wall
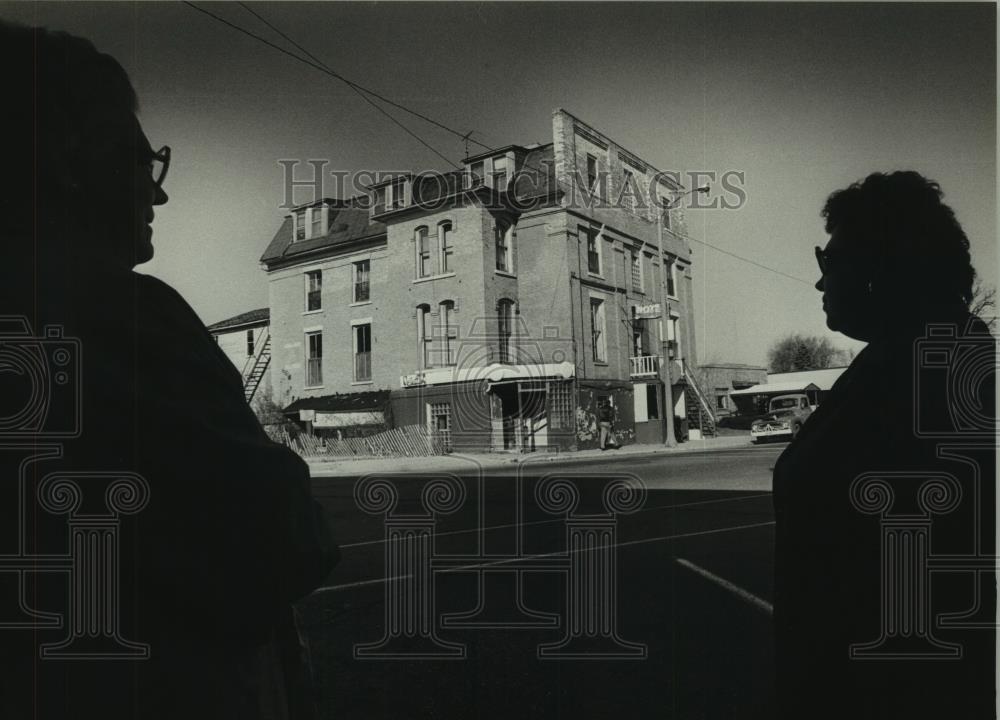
647	312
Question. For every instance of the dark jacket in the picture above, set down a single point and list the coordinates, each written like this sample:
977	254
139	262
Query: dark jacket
230	537
829	547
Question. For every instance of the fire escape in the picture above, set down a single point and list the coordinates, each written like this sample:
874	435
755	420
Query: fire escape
256	365
699	409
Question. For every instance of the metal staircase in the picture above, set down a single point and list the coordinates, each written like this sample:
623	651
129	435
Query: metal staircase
256	365
699	409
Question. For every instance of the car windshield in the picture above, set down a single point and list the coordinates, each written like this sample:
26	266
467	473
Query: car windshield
784	404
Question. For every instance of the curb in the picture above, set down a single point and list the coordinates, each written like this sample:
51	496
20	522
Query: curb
347	468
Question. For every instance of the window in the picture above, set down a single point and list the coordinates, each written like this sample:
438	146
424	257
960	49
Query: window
314	359
378	201
397	199
505	325
449	333
561	404
500	173
628	190
652	402
362	352
362	270
503	233
671	281
640	336
447	250
425	334
591	171
423	243
593	250
249	343
720	398
598	342
440	423
674	337
299	225
317	229
637	270
476	172
314	290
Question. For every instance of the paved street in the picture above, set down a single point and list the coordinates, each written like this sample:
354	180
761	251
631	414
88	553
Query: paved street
689	620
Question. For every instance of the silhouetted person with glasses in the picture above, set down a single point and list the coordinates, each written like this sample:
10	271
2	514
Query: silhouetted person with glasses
893	472
230	537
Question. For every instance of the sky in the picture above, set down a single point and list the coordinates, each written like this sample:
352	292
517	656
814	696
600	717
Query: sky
803	98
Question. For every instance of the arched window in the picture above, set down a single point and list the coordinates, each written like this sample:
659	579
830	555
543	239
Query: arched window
425	335
445	245
449	333
423	246
505	329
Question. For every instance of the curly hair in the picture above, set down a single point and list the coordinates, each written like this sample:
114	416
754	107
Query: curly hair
899	221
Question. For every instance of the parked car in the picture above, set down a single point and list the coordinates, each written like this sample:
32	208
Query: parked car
785	417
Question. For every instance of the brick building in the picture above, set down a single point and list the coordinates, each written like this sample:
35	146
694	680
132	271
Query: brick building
500	306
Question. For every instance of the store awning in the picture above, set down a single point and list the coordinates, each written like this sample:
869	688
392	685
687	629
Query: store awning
502	374
374	400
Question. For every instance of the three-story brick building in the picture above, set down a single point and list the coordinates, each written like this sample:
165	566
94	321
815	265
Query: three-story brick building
501	306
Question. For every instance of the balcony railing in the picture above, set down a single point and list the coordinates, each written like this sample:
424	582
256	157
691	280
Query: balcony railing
645	366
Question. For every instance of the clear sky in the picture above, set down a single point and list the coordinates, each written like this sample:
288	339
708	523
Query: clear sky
803	98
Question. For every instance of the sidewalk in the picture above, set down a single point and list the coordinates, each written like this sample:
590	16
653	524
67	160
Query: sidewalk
470	462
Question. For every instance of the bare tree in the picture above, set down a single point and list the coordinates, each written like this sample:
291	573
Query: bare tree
983	303
801	352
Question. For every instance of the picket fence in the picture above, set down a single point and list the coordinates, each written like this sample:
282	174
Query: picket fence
406	441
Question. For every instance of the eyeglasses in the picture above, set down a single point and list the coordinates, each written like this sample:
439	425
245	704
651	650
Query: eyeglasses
823	259
159	164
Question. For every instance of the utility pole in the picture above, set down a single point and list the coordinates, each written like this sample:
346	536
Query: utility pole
668	399
668	395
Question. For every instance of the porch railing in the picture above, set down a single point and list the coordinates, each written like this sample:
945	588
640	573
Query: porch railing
645	366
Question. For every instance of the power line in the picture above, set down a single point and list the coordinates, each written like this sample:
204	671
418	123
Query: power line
322	68
752	262
356	87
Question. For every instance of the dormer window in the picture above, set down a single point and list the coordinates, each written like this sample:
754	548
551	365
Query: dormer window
500	173
309	223
378	201
397	195
299	225
476	172
317	225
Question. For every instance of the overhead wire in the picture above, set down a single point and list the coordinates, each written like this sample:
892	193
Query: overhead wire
465	137
318	65
312	61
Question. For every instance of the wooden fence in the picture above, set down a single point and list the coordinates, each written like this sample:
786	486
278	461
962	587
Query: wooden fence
407	441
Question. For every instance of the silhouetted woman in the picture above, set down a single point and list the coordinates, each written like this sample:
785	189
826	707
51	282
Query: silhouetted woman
894	469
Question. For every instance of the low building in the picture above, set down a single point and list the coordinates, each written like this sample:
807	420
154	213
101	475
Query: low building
814	383
720	380
501	305
246	341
